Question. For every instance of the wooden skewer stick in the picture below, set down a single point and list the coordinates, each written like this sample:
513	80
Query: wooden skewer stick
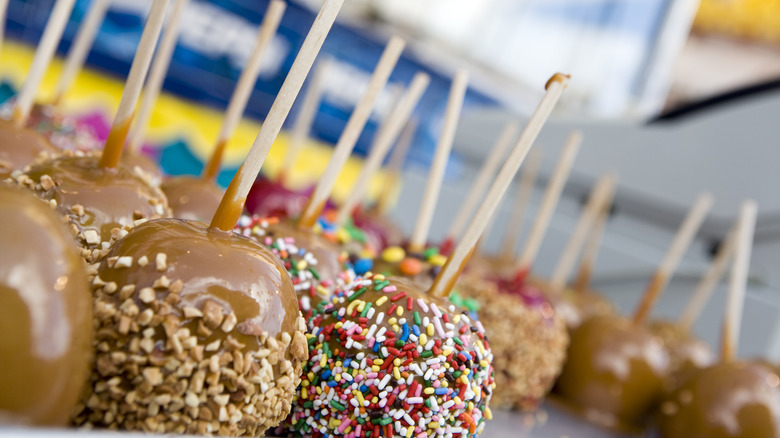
232	203
3	12
525	188
439	165
738	280
112	152
709	281
668	265
549	202
382	143
80	49
488	169
305	120
599	196
246	83
355	124
392	187
444	282
43	55
157	73
591	251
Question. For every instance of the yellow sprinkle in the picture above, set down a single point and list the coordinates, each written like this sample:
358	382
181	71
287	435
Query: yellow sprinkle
310	376
359	396
379	277
409	432
338	324
397	362
366	253
429	390
352	306
396	373
323	361
488	413
437	260
342	235
392	321
304	383
399	311
381	301
396	328
378	362
456	318
375	400
304	393
302	265
483	363
428	329
446	352
361	306
471	406
393	254
319	390
375	368
457	400
423	340
322	290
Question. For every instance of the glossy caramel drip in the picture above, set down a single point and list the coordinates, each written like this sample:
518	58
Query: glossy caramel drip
614	373
211	169
727	400
687	353
237	272
192	198
109	197
112	151
19	147
45	314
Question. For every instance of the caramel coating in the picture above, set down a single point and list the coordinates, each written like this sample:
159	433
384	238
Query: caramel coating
614	373
380	231
727	400
527	338
94	199
45	314
19	147
575	306
198	331
143	164
192	198
687	353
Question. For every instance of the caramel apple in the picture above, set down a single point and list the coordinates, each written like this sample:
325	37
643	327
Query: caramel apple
94	199
197	331
272	198
614	373
395	361
19	147
728	400
45	314
191	197
687	352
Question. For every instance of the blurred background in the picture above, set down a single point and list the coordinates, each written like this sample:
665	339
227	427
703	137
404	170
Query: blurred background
677	96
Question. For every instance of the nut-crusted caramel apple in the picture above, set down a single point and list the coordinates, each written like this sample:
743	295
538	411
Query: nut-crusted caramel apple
728	400
94	199
197	331
19	147
143	164
614	373
192	198
527	338
45	314
386	359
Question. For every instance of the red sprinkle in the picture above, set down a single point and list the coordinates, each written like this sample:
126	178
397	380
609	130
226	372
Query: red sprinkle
410	304
397	297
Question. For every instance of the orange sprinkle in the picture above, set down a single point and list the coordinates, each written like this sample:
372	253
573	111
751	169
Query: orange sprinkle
410	266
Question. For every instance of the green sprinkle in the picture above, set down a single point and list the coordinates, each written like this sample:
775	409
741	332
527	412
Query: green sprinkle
426	353
385	421
308	404
417	319
314	273
337	405
430	252
357	293
456	374
399	343
428	402
458	341
366	309
381	285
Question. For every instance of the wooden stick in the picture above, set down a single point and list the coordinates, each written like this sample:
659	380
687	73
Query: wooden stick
80	48
3	13
525	188
388	197
157	73
436	175
709	280
245	86
382	142
444	282
668	265
355	124
305	119
43	55
738	280
591	251
488	169
112	152
599	196
232	203
549	202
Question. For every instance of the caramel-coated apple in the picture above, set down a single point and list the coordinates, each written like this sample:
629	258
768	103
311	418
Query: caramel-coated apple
197	331
687	352
191	197
19	147
614	372
45	314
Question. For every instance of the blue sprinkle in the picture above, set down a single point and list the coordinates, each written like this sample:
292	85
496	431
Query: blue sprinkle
333	383
376	347
326	375
363	389
347	361
363	265
405	332
416	330
440	391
